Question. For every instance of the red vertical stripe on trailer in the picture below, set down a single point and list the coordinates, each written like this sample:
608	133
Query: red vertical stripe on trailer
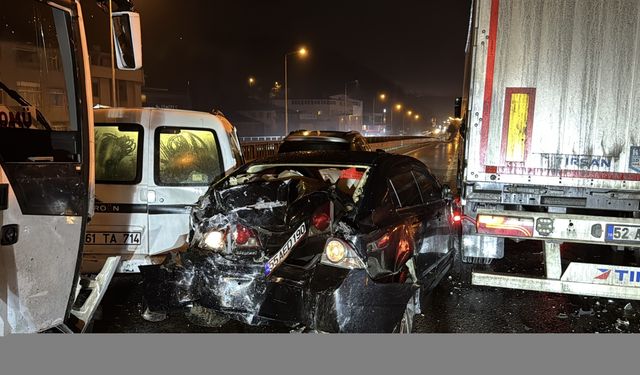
488	83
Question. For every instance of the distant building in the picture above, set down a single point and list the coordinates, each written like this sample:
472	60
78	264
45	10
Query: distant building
128	82
333	113
258	118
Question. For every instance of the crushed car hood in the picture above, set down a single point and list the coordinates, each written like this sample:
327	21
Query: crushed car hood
274	210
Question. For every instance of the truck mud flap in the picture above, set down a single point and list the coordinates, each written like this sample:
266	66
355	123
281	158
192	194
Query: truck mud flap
586	279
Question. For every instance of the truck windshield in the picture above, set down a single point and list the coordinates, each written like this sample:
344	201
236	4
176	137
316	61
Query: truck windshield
41	127
35	64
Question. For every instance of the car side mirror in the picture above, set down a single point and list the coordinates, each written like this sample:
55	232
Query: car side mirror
127	38
447	194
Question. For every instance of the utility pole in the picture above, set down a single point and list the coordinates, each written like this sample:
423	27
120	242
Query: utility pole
286	98
113	66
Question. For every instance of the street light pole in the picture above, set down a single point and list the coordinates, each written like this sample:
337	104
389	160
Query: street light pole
302	52
345	106
382	97
286	97
397	107
345	101
373	112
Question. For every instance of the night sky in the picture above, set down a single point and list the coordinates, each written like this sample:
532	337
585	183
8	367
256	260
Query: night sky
413	50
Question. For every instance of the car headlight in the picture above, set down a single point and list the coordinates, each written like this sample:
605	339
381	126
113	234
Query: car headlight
335	250
214	240
338	253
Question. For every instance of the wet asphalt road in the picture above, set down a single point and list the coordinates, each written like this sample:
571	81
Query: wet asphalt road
454	306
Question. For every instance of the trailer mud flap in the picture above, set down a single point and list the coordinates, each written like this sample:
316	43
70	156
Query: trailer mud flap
586	279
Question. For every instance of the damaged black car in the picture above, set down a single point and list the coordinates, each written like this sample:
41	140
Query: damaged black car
318	241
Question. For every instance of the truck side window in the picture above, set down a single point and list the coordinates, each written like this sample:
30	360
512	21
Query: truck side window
118	153
186	157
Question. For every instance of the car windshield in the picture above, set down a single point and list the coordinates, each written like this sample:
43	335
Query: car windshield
347	179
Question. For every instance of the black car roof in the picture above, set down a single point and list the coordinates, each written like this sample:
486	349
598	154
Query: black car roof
329	157
325	133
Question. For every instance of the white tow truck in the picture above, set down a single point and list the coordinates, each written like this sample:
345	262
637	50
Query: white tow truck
552	149
47	161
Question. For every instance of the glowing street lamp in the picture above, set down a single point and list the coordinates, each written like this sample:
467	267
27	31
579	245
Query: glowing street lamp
381	97
409	113
252	81
302	52
397	107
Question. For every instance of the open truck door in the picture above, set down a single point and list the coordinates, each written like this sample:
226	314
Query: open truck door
46	164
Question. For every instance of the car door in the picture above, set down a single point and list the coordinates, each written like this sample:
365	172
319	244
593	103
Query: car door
186	160
119	225
436	237
408	210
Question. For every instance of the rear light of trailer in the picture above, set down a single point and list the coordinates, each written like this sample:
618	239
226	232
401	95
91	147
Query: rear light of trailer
509	226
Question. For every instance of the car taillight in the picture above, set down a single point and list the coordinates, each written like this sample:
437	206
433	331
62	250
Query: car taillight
321	221
505	225
245	237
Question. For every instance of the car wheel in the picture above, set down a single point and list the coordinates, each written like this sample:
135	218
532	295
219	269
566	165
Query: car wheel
405	325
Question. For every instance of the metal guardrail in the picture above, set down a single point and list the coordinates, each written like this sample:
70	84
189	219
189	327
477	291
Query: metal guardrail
264	138
258	149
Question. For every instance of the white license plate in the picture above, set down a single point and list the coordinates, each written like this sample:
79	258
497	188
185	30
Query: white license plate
622	233
284	252
112	238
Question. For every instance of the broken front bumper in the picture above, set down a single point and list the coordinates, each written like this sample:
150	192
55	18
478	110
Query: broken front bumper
323	298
